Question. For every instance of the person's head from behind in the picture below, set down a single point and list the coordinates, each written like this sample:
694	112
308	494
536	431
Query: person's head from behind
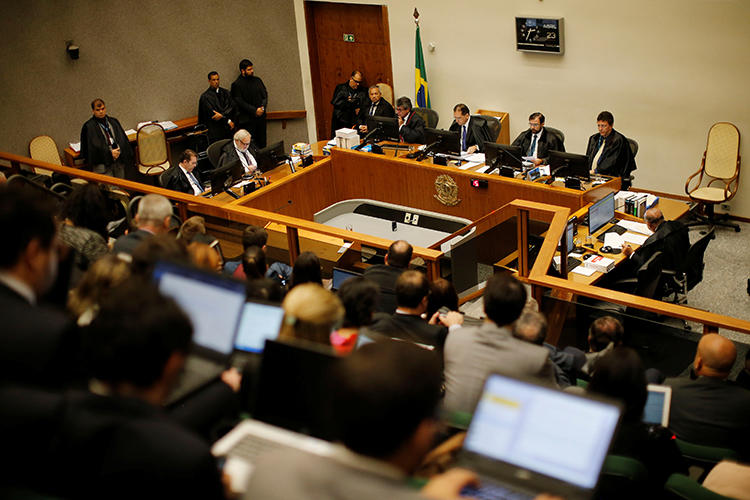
137	342
504	299
653	218
192	227
254	236
442	294
86	207
412	290
203	256
264	289
620	375
311	313
531	326
604	331
160	247
385	402
254	262
306	269
359	297
399	254
714	357
29	249
154	213
100	278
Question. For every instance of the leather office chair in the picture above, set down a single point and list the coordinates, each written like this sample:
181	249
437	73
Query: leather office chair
386	92
153	150
558	133
164	178
679	282
628	181
430	116
493	124
214	151
646	281
44	148
721	167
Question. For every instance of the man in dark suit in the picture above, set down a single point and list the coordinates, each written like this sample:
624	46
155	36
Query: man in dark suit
251	97
707	408
154	214
184	177
538	141
216	110
377	107
104	144
608	150
34	340
410	125
412	289
242	149
473	132
669	237
348	99
385	275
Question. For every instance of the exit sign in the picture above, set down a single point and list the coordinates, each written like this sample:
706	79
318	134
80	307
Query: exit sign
349	37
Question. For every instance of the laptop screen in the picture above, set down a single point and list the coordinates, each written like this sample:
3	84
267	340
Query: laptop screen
601	212
212	303
259	322
656	410
341	275
544	430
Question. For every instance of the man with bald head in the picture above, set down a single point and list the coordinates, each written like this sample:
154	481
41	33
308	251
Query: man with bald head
385	275
707	408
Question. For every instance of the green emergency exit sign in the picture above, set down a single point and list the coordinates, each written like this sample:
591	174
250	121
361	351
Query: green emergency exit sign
349	37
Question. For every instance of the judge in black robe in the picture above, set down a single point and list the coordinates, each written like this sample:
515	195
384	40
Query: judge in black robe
546	141
105	146
477	130
216	110
616	159
377	106
347	102
251	99
410	125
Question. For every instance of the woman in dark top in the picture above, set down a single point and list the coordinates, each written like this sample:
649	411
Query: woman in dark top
306	270
620	374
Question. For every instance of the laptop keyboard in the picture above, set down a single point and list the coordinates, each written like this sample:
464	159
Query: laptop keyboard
251	447
494	492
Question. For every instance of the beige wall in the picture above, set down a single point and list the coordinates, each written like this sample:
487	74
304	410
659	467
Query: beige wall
147	60
667	70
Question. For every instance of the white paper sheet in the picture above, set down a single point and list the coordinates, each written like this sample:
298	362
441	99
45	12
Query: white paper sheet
584	271
613	240
636	227
637	239
469	164
75	146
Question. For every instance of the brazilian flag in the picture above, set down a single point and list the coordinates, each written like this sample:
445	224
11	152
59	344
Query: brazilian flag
420	76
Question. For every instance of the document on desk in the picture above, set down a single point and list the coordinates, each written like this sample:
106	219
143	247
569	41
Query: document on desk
613	240
638	239
168	125
636	227
75	146
469	164
584	271
473	157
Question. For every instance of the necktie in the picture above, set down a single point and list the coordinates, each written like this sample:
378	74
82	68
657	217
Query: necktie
600	148
195	181
463	137
533	146
247	159
372	109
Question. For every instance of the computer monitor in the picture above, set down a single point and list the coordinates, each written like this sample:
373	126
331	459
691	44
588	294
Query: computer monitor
382	128
442	141
498	155
226	176
271	156
293	388
341	275
569	165
260	321
601	212
569	235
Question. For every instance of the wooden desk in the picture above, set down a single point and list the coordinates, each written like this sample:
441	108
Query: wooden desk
187	124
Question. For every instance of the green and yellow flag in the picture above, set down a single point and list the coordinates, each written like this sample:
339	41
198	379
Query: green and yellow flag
420	76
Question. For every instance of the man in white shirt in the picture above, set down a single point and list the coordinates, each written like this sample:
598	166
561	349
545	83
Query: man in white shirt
184	177
241	148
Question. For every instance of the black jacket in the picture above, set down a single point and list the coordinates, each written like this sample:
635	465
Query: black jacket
477	134
222	103
413	130
616	159
94	146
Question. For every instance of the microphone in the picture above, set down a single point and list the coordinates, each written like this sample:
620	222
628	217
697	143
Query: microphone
288	202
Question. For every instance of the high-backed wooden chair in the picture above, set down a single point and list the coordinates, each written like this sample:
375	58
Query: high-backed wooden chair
721	168
153	150
386	91
44	148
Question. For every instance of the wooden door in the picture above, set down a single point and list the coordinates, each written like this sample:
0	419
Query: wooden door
332	58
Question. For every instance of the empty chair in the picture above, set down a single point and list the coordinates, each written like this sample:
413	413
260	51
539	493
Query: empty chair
628	180
559	134
679	282
721	168
493	124
430	116
153	151
44	148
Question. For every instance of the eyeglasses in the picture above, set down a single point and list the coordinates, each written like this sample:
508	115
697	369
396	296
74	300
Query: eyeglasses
245	143
358	82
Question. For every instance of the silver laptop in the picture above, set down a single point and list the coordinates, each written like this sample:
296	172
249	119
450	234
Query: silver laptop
525	439
658	403
213	303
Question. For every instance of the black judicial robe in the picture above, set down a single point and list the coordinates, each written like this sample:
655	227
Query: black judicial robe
547	142
616	159
345	102
219	100
94	146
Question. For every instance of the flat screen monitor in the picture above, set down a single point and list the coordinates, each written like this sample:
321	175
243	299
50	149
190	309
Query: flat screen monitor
271	156
498	155
294	387
259	321
442	141
569	235
601	212
341	275
226	176
382	128
569	165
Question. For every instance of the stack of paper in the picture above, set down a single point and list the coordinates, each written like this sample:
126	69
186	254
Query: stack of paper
75	146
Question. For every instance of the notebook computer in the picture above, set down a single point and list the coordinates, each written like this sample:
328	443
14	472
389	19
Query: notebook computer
658	403
528	439
213	303
341	275
259	321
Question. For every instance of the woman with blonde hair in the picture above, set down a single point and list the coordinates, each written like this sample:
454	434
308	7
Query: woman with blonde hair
310	313
102	276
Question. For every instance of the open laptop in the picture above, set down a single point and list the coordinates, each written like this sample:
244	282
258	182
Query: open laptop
658	403
213	303
259	321
341	275
525	439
